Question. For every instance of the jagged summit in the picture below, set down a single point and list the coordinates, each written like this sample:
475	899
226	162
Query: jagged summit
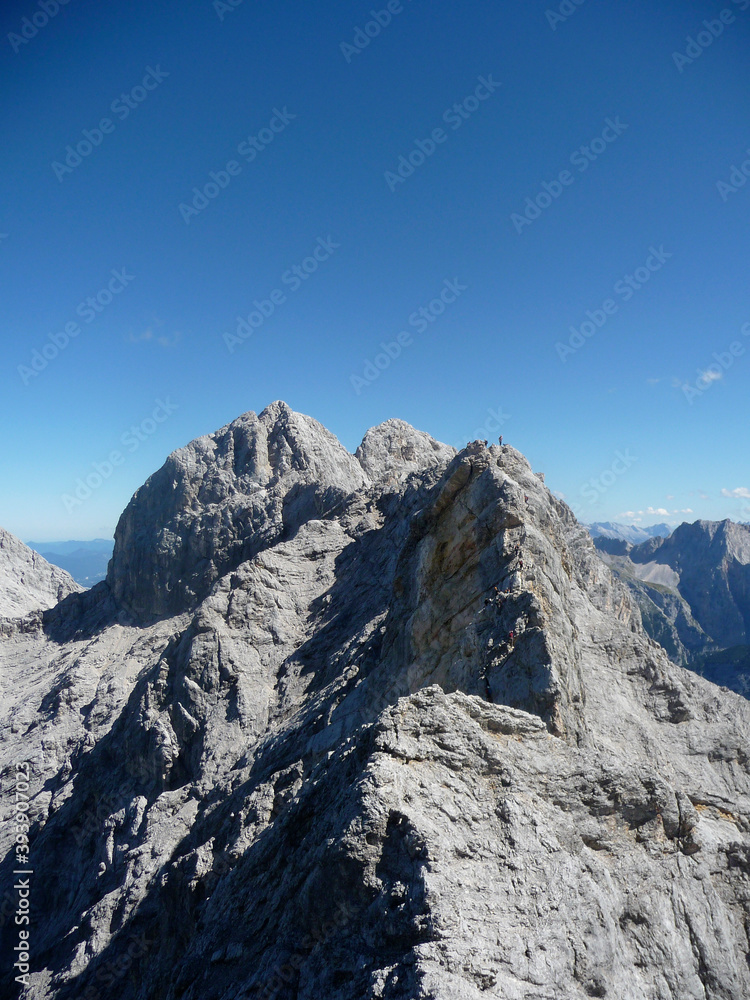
395	448
27	581
395	733
220	500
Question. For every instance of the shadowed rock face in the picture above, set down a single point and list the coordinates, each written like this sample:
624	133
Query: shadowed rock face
693	589
337	775
712	561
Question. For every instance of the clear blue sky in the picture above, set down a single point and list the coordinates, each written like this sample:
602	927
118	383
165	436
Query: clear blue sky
315	134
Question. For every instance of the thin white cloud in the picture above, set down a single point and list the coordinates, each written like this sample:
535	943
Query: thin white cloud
145	335
741	492
169	341
648	512
711	376
161	340
638	515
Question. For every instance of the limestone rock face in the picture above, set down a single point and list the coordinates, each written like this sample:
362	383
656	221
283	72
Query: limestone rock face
355	769
220	500
27	581
394	448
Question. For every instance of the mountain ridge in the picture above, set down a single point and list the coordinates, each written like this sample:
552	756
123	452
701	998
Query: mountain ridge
348	765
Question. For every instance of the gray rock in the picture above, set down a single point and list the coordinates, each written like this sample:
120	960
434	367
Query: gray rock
219	501
693	590
711	560
28	582
336	775
395	448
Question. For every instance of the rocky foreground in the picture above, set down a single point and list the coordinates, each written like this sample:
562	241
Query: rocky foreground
372	726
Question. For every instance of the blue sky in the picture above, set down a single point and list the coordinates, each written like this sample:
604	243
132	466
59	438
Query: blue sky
559	165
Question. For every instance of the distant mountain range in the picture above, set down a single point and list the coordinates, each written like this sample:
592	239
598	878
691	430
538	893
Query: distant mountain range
628	532
693	590
85	561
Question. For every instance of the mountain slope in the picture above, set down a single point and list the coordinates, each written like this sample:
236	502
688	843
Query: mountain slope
27	581
693	590
336	773
712	561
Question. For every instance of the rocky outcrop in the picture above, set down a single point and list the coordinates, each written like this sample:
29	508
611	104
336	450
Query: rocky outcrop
27	581
394	449
355	768
220	500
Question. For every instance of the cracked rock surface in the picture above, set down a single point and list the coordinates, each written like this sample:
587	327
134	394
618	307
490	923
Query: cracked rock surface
372	726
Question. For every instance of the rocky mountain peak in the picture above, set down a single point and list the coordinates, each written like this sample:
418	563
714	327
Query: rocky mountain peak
703	572
394	449
220	500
